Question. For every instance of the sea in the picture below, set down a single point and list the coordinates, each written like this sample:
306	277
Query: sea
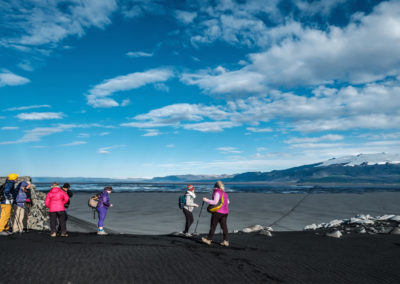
281	188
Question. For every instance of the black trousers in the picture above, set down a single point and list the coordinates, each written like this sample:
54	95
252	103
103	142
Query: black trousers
222	220
60	216
189	220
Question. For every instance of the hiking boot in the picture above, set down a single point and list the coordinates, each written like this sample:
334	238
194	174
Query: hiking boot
64	235
4	233
102	233
206	241
225	244
53	235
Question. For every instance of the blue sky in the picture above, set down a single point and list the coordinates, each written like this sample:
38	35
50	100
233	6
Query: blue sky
152	88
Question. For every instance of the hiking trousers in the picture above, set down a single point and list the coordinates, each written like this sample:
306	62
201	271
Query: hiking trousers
18	223
222	220
189	220
5	217
60	216
102	215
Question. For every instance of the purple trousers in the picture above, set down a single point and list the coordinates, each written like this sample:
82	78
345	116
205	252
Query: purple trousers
102	215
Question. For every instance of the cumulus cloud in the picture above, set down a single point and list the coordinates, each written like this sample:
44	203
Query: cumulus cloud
40	115
364	51
37	23
151	132
99	95
8	78
185	16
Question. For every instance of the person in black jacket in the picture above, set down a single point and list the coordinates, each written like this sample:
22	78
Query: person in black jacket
66	187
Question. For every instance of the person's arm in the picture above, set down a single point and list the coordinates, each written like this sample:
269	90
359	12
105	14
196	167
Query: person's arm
65	197
47	200
213	201
106	200
69	192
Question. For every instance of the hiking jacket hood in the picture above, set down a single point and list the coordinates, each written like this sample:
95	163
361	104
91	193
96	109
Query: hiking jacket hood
56	199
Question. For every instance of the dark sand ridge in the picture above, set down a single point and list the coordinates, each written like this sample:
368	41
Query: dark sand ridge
158	213
287	257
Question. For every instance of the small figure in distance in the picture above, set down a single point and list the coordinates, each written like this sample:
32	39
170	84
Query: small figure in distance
55	201
6	200
220	216
20	198
188	208
102	207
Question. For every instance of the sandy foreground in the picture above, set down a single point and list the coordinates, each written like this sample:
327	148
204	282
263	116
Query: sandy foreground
286	257
158	213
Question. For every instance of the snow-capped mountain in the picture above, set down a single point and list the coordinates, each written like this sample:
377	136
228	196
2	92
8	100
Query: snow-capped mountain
367	159
362	168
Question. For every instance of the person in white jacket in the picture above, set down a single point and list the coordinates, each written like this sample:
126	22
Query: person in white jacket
188	208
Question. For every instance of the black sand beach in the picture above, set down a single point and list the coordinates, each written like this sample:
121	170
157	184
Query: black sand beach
287	257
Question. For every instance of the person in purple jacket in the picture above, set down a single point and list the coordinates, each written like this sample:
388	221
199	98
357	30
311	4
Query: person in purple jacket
102	207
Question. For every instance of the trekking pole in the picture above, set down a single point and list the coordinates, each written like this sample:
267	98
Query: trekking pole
198	219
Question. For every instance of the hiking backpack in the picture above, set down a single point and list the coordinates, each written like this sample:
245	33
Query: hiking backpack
94	200
182	201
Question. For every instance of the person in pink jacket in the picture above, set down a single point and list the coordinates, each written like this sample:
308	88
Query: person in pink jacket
55	201
220	216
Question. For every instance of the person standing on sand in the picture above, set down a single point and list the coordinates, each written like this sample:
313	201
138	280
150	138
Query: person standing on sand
102	207
66	187
55	201
220	216
188	208
6	201
20	198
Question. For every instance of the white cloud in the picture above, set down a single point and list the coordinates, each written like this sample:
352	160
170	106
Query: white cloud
27	107
259	130
83	135
36	134
38	23
75	143
152	132
214	126
170	146
8	78
98	95
230	150
323	7
363	51
328	137
104	133
135	54
106	150
185	16
9	128
40	115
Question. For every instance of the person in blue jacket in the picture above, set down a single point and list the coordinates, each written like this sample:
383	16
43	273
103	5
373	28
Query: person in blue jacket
21	194
102	207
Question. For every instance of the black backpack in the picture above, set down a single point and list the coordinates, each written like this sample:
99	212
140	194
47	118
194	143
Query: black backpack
2	197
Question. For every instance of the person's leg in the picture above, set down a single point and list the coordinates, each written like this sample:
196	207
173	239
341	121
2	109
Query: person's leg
61	221
102	216
224	226
5	217
189	220
214	221
53	222
18	225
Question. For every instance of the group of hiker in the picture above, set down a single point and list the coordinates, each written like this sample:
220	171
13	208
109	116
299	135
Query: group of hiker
17	196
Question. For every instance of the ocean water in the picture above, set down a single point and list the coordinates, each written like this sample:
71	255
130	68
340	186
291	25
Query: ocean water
229	187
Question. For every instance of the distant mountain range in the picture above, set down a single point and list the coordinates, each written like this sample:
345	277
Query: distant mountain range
363	168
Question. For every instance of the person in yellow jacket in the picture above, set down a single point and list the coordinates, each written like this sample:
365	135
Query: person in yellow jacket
6	199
